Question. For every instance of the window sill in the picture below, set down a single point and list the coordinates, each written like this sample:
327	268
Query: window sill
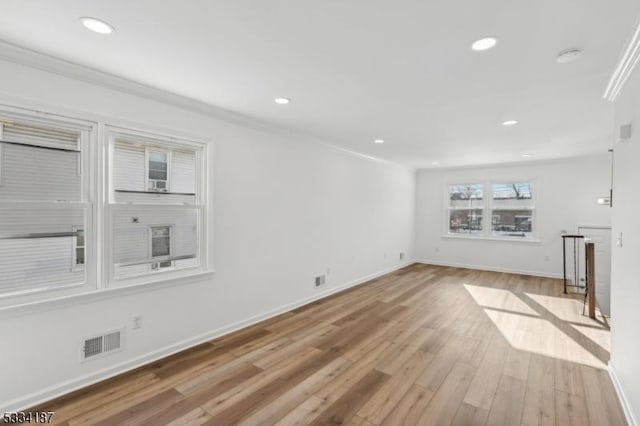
94	295
492	239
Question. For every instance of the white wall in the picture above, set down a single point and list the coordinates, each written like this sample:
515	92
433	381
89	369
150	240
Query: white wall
566	197
285	210
625	277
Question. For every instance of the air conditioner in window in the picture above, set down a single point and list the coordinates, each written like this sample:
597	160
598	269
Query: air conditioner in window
158	185
156	266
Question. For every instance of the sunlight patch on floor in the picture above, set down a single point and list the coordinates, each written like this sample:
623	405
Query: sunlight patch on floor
566	309
542	337
499	299
601	336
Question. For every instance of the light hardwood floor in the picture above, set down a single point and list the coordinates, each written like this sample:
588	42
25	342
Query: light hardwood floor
425	345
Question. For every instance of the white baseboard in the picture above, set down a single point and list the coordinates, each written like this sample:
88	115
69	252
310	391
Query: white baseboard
489	268
64	388
626	407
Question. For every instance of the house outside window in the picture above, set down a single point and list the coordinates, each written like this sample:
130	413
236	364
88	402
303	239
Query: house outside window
160	246
156	206
158	171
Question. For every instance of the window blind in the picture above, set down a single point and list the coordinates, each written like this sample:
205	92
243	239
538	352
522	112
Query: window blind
37	247
42	209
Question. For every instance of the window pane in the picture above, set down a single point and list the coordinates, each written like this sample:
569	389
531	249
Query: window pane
160	231
80	238
157	157
80	256
153	174
512	195
39	247
512	223
144	233
466	196
160	241
465	221
154	165
160	247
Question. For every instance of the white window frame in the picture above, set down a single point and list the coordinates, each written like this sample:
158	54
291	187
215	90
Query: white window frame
88	131
95	162
492	209
158	141
488	210
449	209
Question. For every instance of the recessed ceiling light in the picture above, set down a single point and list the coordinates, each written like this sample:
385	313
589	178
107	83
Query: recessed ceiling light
282	101
484	43
378	141
568	55
96	25
434	163
509	123
527	155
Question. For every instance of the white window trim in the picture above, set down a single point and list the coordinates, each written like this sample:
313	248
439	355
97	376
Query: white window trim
96	161
87	141
487	211
202	203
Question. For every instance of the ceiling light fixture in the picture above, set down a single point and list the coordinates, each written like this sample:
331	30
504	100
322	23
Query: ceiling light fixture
527	155
96	25
378	141
509	123
282	101
434	163
568	55
484	44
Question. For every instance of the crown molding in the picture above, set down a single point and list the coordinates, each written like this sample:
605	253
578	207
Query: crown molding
51	64
625	67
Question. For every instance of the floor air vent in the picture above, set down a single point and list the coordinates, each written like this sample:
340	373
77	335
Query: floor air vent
94	347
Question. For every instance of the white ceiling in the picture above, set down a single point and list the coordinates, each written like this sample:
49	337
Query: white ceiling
359	70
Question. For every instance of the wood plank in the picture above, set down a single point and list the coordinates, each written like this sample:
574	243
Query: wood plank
539	402
468	415
409	409
446	401
295	396
508	403
602	405
345	407
571	410
388	396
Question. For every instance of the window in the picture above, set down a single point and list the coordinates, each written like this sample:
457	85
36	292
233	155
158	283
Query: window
160	246
152	219
78	248
158	171
45	204
510	205
465	209
156	206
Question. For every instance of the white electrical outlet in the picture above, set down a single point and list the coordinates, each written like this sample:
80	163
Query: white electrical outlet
136	323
